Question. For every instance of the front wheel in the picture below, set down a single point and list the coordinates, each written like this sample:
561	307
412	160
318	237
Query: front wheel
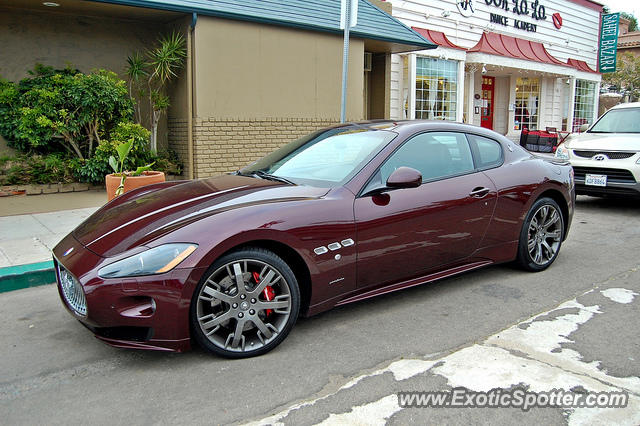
541	235
246	304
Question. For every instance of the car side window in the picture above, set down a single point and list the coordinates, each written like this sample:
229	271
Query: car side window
488	152
436	155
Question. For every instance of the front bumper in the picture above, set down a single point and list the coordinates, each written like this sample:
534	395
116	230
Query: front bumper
623	176
149	312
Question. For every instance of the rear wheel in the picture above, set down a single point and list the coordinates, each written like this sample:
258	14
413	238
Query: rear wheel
541	235
246	304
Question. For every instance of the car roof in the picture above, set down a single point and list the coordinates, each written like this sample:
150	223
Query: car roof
627	105
410	126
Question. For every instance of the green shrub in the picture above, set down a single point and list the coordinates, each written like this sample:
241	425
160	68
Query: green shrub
55	110
168	162
36	169
97	167
9	98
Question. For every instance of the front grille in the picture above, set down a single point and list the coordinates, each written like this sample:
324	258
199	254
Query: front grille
613	175
72	291
612	155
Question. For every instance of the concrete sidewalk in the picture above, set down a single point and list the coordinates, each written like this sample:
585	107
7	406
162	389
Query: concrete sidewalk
31	226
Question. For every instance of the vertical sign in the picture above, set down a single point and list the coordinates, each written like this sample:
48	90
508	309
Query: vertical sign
608	42
349	15
353	13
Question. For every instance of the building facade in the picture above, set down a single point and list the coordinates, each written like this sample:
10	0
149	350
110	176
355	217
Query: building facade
258	73
503	65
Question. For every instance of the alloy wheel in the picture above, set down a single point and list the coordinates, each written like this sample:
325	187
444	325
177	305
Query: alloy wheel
544	234
244	305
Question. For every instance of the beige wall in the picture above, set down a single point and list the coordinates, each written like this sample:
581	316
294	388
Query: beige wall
246	70
178	87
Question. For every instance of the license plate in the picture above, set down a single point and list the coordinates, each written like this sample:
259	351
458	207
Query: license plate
595	180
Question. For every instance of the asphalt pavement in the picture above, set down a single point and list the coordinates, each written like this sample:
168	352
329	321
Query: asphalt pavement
571	327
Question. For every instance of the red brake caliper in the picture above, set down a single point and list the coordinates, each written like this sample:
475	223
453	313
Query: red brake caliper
268	292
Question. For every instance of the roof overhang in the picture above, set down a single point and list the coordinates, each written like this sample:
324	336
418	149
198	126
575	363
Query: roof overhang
382	32
95	9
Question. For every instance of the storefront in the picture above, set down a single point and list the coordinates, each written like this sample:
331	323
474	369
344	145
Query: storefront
503	65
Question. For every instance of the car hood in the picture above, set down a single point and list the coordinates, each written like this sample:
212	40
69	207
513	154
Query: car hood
132	220
604	141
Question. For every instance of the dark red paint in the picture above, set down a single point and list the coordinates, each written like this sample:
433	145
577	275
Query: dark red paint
403	237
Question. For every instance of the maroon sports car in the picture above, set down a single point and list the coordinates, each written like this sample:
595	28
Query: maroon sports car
341	215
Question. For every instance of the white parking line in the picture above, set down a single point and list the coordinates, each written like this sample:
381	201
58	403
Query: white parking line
619	295
528	354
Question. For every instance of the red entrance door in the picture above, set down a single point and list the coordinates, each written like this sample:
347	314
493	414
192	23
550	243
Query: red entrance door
486	116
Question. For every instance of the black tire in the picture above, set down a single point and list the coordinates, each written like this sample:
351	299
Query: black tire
251	290
541	235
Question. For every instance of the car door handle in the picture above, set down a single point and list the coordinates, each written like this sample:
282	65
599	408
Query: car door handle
479	192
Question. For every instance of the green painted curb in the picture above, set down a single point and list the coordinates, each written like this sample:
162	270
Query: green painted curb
25	276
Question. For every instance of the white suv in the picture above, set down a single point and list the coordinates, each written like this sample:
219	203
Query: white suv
606	157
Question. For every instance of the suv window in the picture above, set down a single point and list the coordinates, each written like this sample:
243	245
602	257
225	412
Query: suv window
621	120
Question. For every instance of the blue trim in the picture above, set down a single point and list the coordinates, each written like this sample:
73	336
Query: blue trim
316	15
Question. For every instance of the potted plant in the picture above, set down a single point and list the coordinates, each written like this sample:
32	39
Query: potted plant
122	181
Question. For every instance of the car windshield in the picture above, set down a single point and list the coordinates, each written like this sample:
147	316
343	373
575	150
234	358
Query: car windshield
624	120
326	158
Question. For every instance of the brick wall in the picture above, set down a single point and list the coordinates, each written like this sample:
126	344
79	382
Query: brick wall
178	142
225	145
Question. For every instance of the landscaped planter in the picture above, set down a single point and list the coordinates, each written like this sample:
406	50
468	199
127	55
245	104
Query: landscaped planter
131	182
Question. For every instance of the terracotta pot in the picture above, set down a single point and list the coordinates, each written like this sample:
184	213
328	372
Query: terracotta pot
131	182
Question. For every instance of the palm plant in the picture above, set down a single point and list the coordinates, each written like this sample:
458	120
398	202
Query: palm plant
136	73
161	65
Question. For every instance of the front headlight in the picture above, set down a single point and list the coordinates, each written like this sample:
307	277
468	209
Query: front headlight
157	260
562	152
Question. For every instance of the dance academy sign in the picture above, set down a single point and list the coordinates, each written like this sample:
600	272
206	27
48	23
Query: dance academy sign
522	8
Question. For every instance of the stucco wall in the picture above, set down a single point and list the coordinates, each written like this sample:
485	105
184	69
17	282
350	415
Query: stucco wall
246	70
59	40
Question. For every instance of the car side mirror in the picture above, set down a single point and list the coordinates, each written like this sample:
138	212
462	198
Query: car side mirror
404	177
584	128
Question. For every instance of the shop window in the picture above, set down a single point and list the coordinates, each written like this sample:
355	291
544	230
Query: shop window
436	89
527	98
583	103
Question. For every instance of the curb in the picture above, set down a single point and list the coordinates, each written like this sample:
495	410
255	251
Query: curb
25	276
